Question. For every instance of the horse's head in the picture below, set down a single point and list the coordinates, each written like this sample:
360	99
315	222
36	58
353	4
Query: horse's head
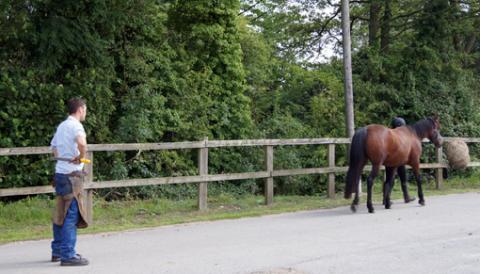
434	133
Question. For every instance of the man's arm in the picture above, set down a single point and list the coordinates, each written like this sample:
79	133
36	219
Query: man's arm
82	146
81	141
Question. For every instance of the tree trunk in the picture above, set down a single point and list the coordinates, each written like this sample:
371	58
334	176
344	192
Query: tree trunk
385	35
470	43
455	9
374	22
471	40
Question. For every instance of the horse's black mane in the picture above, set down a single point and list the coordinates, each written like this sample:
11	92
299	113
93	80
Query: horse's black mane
422	127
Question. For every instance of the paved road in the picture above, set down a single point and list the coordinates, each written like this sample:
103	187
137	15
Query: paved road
442	237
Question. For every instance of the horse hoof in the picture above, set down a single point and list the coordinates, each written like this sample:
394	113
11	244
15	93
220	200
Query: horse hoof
353	208
388	206
408	199
421	202
371	210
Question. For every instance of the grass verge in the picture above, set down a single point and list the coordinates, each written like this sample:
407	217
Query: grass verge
29	219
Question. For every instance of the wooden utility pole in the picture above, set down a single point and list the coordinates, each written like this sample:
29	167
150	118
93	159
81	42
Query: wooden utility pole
347	68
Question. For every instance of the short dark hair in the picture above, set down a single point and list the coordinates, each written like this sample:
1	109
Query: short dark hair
74	104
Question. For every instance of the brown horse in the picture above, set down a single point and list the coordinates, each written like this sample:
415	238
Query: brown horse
392	148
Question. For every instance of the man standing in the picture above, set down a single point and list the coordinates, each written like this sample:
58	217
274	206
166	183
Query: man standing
69	142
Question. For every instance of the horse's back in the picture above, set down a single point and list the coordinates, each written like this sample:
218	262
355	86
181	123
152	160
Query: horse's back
377	135
391	147
376	143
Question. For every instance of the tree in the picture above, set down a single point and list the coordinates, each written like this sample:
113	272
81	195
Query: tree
210	64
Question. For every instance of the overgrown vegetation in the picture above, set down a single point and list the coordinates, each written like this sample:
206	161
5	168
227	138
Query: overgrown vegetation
166	71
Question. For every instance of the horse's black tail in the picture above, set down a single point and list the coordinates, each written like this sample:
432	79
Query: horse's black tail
357	161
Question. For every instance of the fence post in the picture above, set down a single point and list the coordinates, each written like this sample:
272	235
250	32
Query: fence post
203	170
89	192
439	171
269	180
331	176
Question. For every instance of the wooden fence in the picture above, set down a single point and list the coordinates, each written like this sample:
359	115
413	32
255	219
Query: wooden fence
203	178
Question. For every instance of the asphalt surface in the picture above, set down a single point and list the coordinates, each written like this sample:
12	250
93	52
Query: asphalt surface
441	237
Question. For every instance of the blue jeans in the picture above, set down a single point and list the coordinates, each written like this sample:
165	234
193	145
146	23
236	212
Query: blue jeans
65	236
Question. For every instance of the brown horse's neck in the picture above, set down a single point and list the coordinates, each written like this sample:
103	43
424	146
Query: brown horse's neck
422	128
418	133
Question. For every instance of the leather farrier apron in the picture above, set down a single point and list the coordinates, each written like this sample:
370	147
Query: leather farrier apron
63	202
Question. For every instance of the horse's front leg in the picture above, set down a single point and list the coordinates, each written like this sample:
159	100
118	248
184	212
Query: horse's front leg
416	171
370	179
402	173
388	186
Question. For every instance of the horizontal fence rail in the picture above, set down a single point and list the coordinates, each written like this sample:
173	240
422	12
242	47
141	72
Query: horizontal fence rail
204	178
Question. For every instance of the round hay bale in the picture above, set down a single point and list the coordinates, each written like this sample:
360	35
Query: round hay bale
458	155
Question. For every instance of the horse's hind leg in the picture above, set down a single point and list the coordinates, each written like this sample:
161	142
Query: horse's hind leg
388	185
356	200
371	178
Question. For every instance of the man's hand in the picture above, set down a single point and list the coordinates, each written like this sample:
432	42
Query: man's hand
76	160
82	147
